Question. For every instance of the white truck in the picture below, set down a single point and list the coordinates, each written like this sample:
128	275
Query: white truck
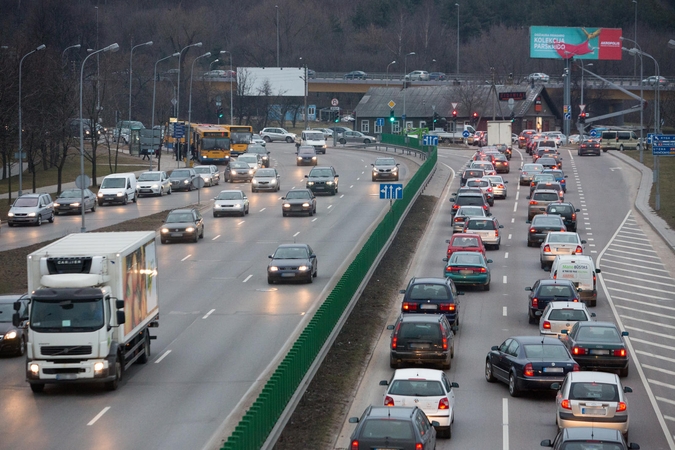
499	132
93	298
447	137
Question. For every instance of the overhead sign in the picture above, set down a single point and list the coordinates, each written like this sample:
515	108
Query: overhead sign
575	42
516	96
663	145
178	130
391	191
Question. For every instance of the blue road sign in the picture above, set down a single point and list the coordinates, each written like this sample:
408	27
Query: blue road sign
429	139
178	130
391	191
594	133
379	122
403	117
663	145
663	151
568	116
465	134
650	136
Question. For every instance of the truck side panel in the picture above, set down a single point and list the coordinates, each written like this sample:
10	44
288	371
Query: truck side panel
139	287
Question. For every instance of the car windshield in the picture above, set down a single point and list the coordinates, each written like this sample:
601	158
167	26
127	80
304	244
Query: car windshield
568	315
257	149
470	200
543	177
27	202
424	331
206	170
238	165
477	183
601	392
320	173
71	193
6	312
314	136
291	253
176	217
591	444
66	315
385	162
213	143
545	196
265	173
473	174
306	151
556	291
387	428
241	138
149	177
533	168
471	211
304	195
474	259
560	209
248	159
256	137
464	242
547	161
479	225
429	291
233	195
416	388
116	182
496	179
546	221
599	334
180	173
563	238
546	352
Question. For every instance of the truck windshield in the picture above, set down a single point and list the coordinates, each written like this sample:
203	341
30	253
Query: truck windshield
66	316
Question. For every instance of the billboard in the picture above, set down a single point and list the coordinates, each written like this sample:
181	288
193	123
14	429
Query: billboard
575	42
271	81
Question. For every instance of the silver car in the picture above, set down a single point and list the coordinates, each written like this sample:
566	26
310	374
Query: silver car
558	316
277	134
252	159
356	137
528	171
153	182
209	174
70	201
230	202
463	213
258	140
559	243
267	179
498	185
385	168
31	209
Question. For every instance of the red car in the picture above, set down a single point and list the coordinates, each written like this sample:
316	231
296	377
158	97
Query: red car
465	242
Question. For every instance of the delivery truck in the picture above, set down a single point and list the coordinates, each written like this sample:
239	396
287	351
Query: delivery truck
499	132
93	299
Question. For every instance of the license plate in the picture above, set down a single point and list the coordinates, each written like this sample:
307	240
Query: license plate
288	275
599	352
66	376
465	272
418	345
176	234
594	411
553	369
428	306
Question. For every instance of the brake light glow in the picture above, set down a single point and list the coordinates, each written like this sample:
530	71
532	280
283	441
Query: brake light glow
565	404
489	189
528	371
483	270
458	219
408	306
579	351
447	307
563	229
621	407
485	207
620	352
546	325
445	343
388	401
455	206
533	230
533	202
444	403
547	248
355	445
535	302
574	216
579	250
576	368
496	233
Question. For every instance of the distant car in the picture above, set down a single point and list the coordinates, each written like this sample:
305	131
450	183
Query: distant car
558	316
437	76
323	180
501	163
382	427
182	224
421	339
429	389
593	437
254	160
209	173
598	346
215	74
153	182
559	176
541	177
471	173
181	179
31	209
262	151
549	163
355	75
311	74
566	211
654	80
463	213
469	198
238	171
559	243
70	201
327	132
429	295
548	290
14	339
230	202
488	167
589	147
538	76
267	179
306	156
465	242
292	262
541	225
548	185
418	75
271	134
258	140
498	185
298	201
356	136
468	268
385	168
540	199
485	186
485	227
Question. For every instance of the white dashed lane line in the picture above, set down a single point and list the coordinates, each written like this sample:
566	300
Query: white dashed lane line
206	316
185	258
98	416
164	355
247	278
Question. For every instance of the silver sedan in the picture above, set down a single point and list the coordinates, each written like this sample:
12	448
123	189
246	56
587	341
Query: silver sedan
498	185
559	243
356	137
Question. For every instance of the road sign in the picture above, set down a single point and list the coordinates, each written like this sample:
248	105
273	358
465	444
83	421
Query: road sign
82	182
391	191
454	105
178	130
511	103
465	134
334	102
582	107
566	108
335	108
23	155
649	138
663	145
568	116
403	117
594	133
379	122
391	103
428	139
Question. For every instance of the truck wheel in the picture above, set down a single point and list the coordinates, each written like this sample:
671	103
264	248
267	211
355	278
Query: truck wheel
112	385
37	387
146	350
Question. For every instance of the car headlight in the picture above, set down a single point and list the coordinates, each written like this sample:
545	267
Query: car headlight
100	194
56	205
305	205
74	205
237	206
254	181
207	179
250	172
190	229
119	194
273	181
11	335
31	214
11	214
299	158
186	181
323	146
330	183
155	186
303	268
395	169
273	268
287	205
165	230
313	158
233	172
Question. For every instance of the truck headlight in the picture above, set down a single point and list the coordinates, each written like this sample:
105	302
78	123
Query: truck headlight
11	335
34	369
100	194
98	366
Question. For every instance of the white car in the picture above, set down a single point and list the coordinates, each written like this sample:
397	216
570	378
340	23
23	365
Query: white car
418	75
230	202
428	389
277	134
559	138
252	159
209	174
488	168
559	243
538	76
153	182
498	185
558	316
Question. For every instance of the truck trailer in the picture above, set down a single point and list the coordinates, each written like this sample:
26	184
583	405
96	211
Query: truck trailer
93	298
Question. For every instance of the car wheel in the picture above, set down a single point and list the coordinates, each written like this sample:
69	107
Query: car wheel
170	191
267	139
22	347
593	303
374	179
284	214
126	200
366	141
243	213
621	147
497	246
489	376
289	139
39	220
486	287
196	238
201	236
247	209
542	265
134	199
311	213
146	350
445	433
270	281
513	385
37	387
93	208
342	141
112	385
531	319
56	213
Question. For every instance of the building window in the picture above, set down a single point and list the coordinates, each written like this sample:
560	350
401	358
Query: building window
408	124
395	127
378	129
365	126
422	124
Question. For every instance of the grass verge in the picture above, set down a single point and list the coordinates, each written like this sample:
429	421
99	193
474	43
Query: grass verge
667	173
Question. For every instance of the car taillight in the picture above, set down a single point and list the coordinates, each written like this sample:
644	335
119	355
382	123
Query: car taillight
547	248
621	407
458	219
496	233
579	250
483	270
355	445
489	189
565	404
563	229
444	403
388	401
528	371
445	343
574	216
578	350
455	206
500	186
485	207
535	302
620	352
533	202
409	306
546	325
419	446
447	307
533	230
394	342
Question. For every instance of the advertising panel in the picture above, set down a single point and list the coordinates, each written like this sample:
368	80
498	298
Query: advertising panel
575	42
271	81
140	286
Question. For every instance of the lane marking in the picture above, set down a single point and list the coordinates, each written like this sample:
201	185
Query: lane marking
642	279
351	186
504	311
515	206
504	279
247	278
636	248
208	314
632	253
314	219
658	369
240	222
505	423
506	255
330	206
262	210
185	258
663	335
652	355
642	311
517	195
632	270
159	360
513	220
215	238
653	344
296	234
509	236
98	416
341	196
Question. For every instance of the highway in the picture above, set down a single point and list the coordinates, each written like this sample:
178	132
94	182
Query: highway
635	290
222	327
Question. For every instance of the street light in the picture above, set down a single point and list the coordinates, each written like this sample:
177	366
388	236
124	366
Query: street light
222	52
457	5
635	39
192	69
198	44
405	84
304	78
41	47
63	53
387	82
154	93
642	98
131	55
277	8
212	63
110	48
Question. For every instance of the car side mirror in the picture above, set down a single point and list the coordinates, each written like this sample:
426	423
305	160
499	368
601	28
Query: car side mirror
633	446
565	331
454	384
528	288
546	443
373	165
624	333
528	221
506	182
306	176
384	383
353	420
501	226
627	390
454	328
435	423
283	198
592	314
489	261
452	200
401	291
583	241
460	292
494	348
270	256
390	327
337	176
598	270
445	259
565	176
528	197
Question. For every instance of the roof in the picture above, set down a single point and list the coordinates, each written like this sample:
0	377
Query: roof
398	412
433	318
182	210
88	244
583	433
587	376
293	245
547	281
598	324
427	374
538	340
567	305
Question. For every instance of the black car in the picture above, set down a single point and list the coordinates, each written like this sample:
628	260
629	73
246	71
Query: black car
183	224
421	339
13	338
389	427
469	199
529	363
238	171
547	290
471	173
540	225
549	162
589	437
501	163
70	201
298	201
306	156
598	346
385	168
182	179
292	262
323	180
589	148
432	296
262	151
566	211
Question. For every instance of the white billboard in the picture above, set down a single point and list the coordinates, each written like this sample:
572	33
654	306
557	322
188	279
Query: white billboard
272	81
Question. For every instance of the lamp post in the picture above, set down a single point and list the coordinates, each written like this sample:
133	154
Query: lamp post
63	53
457	5
277	8
671	43
582	78
212	63
180	53
41	47
304	78
110	48
154	93
222	52
642	98
387	81
131	55
635	40
405	84
192	69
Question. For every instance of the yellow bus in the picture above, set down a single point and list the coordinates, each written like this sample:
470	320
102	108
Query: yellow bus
240	138
212	143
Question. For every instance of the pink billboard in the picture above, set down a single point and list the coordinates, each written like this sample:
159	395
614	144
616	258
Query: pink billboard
577	43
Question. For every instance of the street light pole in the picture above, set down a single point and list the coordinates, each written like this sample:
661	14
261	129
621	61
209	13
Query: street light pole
222	52
304	78
131	55
642	98
212	63
405	84
110	48
192	69
198	44
41	47
387	81
635	40
277	8
457	5
582	78
154	93
63	53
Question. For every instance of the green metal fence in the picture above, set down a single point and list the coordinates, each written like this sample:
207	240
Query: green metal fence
257	423
399	139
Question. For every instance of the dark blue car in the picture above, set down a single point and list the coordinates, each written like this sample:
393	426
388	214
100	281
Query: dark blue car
432	296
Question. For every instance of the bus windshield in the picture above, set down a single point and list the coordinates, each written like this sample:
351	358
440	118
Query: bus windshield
241	137
210	143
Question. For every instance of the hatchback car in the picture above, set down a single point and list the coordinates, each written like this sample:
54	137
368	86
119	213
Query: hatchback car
70	201
428	389
385	168
153	182
485	186
539	178
541	225
230	202
252	159
566	211
432	296
549	162
498	186
402	428
468	269
271	134
558	316
549	185
463	213
485	227
488	167
437	76
306	156
527	172
559	176
501	163
181	179
528	363
238	171
471	173
32	209
292	262
589	437
589	147
323	180
538	76
298	201
422	339
595	398
182	224
262	151
540	200
209	173
418	75
559	243
266	180
547	290
469	199
356	137
465	242
598	346
13	338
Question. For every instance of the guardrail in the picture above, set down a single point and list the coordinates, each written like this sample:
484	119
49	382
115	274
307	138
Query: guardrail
260	419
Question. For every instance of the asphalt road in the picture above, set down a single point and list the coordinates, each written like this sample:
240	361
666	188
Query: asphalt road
221	325
635	290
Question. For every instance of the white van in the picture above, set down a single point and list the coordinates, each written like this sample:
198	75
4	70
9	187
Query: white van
314	138
117	188
580	269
